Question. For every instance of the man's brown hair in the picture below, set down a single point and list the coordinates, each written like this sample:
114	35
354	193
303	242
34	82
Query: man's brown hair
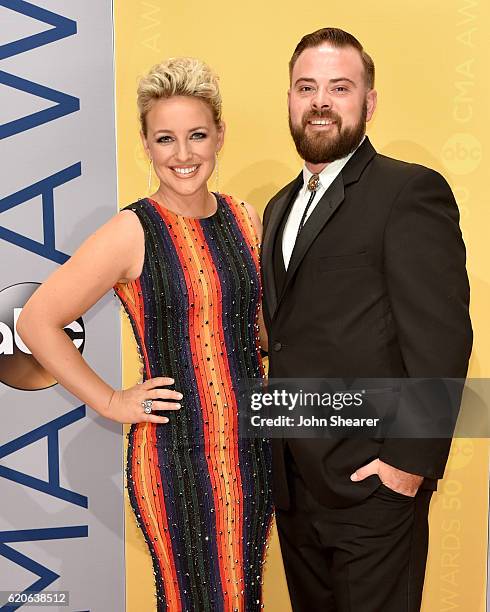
336	38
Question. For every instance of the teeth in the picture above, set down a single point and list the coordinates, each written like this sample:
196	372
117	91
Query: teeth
185	170
321	122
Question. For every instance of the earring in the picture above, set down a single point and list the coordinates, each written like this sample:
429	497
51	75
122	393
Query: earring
216	173
150	166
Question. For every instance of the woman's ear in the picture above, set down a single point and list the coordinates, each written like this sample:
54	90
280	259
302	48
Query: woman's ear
221	136
144	142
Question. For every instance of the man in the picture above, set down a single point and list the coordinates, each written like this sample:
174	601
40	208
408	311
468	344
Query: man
364	276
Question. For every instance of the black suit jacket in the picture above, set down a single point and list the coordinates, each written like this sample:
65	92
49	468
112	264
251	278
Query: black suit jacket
376	287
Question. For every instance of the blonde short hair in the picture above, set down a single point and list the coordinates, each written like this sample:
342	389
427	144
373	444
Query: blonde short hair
179	76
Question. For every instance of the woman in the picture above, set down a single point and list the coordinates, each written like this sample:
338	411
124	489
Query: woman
184	264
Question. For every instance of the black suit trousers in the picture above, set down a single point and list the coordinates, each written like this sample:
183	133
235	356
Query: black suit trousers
369	557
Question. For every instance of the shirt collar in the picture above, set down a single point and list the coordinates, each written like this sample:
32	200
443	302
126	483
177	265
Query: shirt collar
330	171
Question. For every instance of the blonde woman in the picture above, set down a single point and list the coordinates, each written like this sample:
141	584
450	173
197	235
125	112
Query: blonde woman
184	263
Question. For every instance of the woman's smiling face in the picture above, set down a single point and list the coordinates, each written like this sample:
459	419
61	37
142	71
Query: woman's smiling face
182	140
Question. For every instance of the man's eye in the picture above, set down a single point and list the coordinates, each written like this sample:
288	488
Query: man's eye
198	135
306	88
341	88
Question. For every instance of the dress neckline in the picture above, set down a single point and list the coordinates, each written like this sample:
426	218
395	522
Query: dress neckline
172	213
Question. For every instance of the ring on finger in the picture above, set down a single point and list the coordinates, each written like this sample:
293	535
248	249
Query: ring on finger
147	404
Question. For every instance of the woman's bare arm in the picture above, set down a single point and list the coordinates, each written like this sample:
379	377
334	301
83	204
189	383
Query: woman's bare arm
113	253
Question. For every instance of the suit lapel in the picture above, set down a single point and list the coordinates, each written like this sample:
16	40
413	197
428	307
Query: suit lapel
328	204
278	209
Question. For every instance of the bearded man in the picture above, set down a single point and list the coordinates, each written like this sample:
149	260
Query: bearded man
364	276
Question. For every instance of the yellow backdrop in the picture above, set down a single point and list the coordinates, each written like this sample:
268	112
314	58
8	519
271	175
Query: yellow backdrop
431	60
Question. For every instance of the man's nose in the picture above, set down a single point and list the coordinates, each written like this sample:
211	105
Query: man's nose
321	100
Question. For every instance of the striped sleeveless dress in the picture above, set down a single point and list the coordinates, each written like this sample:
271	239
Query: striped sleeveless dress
200	491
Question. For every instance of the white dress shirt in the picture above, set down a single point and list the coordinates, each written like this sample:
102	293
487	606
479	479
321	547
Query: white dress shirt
327	177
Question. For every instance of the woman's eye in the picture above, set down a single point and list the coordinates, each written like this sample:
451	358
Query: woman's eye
164	139
198	135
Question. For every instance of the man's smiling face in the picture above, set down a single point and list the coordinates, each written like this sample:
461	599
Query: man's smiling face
329	103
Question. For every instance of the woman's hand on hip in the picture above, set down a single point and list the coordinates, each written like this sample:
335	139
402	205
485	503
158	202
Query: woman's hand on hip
126	405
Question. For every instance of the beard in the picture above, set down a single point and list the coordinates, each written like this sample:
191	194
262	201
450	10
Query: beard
320	148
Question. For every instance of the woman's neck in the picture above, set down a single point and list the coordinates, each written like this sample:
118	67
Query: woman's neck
199	204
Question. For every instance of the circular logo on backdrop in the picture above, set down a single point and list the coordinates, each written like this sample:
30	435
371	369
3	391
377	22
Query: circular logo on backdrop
462	452
462	153
18	368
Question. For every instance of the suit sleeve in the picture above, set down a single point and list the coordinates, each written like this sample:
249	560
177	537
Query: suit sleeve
427	284
266	215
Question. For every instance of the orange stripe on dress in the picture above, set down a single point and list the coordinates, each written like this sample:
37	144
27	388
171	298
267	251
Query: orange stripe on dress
246	227
131	296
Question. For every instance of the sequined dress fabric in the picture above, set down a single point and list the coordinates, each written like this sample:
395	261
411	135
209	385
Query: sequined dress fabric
199	490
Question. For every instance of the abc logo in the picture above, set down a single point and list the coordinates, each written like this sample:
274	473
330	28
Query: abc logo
462	153
18	368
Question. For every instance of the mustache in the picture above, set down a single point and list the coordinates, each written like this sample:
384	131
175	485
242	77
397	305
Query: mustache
326	114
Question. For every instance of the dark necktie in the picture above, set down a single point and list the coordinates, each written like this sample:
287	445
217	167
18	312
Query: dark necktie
312	186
